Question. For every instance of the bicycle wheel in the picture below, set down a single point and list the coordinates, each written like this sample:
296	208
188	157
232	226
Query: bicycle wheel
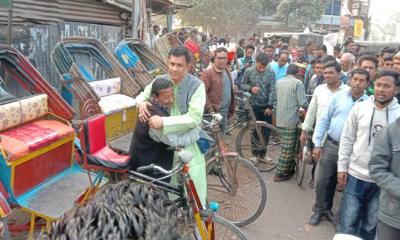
224	229
250	147
300	165
242	194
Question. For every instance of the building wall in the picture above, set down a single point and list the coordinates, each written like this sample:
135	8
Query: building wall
36	42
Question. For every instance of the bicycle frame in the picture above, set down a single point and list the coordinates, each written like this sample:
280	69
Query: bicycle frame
249	118
220	155
187	195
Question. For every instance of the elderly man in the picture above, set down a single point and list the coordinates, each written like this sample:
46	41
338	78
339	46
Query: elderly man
347	62
219	88
280	67
186	112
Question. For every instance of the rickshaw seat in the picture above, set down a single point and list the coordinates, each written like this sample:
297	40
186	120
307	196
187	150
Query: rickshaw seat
33	136
111	99
98	152
24	128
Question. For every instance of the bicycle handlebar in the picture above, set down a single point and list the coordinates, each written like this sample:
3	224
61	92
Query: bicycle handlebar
184	158
153	167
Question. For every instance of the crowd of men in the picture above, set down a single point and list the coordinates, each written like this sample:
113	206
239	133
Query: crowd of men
345	101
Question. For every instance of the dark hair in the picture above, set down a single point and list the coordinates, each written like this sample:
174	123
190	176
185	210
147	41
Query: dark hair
360	71
348	41
337	48
160	83
316	60
250	46
364	53
268	46
283	52
323	48
388	57
241	41
334	64
389	73
274	41
220	49
388	50
263	59
285	47
328	58
156	26
180	51
370	58
292	69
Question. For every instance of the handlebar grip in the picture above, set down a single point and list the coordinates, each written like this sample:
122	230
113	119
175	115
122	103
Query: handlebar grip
145	168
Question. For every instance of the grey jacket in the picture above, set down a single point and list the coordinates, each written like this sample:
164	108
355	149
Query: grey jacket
266	97
384	168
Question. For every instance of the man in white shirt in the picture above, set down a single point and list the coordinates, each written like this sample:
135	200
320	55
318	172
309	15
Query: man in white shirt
322	95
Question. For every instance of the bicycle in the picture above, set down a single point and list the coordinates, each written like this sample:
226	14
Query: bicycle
207	225
303	152
254	138
233	181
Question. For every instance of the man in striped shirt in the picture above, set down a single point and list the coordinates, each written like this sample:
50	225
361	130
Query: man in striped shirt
291	97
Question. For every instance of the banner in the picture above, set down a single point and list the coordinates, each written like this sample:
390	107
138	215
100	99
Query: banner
358	28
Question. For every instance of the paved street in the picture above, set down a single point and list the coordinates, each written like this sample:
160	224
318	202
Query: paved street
287	212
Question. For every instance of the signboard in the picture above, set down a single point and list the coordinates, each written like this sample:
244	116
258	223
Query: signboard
6	3
358	28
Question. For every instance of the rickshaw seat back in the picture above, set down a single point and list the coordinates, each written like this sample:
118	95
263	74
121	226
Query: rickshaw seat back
98	152
95	133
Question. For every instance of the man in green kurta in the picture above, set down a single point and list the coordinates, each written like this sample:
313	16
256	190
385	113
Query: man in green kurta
186	112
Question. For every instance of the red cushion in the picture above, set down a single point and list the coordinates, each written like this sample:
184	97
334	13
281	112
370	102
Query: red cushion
30	137
108	158
96	133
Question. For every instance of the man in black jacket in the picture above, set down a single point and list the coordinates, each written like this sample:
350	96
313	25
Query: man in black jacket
144	149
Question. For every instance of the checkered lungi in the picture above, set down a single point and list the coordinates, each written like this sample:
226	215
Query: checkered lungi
286	161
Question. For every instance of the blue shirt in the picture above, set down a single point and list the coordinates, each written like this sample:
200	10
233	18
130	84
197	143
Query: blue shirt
280	72
334	117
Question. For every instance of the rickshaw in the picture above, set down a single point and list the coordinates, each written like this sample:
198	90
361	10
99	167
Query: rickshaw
38	173
94	82
140	61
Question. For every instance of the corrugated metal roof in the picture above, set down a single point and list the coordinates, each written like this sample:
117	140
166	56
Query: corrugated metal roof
106	12
48	11
157	6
